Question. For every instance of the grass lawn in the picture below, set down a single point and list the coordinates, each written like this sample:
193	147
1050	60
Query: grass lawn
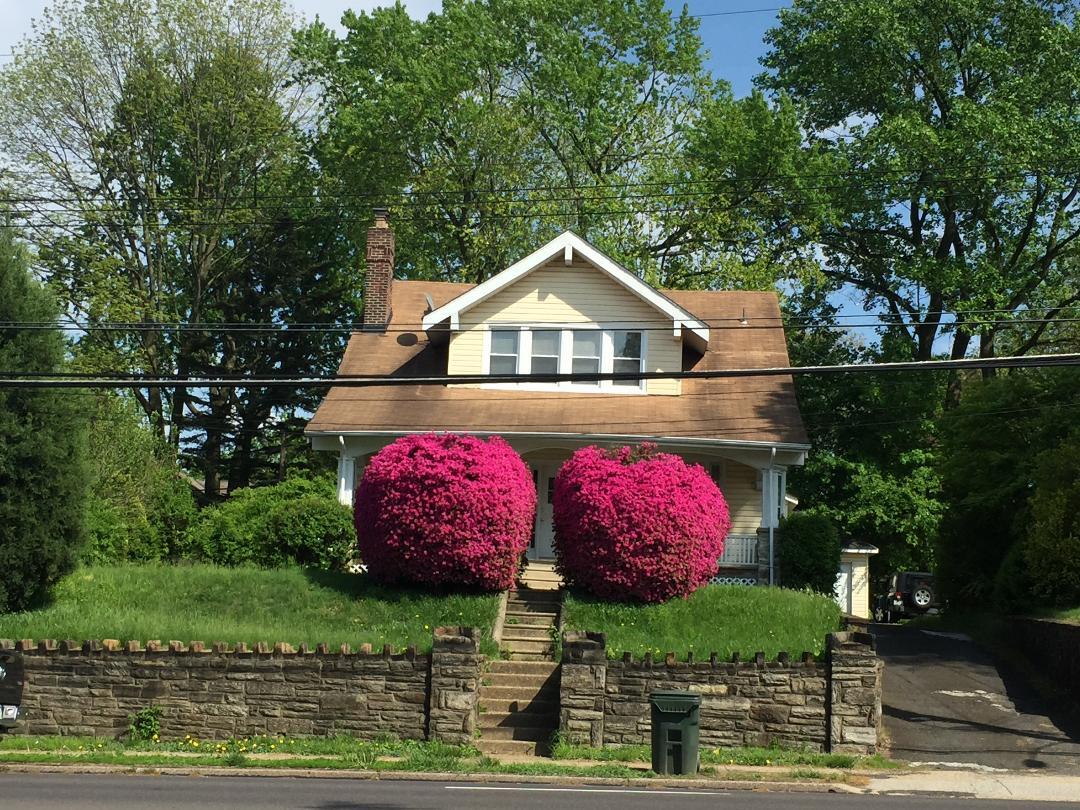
209	603
717	618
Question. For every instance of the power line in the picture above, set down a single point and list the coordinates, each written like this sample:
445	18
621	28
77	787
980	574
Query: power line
734	324
416	197
386	380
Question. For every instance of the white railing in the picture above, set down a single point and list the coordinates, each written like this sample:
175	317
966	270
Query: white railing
739	549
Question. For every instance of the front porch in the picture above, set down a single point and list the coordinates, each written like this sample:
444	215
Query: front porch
752	476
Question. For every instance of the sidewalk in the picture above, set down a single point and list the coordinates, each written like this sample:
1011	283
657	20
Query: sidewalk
1022	785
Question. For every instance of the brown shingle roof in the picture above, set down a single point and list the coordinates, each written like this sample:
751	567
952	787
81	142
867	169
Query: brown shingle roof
759	409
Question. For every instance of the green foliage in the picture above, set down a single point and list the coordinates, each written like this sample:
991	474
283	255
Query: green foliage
991	446
717	618
145	724
497	123
139	507
42	444
873	470
208	603
173	129
299	521
951	146
809	552
1051	548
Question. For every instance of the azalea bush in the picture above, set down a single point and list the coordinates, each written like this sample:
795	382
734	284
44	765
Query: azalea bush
445	509
634	524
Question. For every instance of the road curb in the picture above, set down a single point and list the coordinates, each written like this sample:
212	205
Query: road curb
409	776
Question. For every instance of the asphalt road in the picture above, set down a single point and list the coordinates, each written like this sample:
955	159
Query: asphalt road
946	701
93	792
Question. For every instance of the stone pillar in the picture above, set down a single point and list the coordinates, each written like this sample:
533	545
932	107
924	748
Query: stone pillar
456	666
853	712
582	687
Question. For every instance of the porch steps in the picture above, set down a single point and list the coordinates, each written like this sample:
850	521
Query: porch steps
519	707
540	575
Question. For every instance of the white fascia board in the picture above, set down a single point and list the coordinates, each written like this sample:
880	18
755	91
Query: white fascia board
568	241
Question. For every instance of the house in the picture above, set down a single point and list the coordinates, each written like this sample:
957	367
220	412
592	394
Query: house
567	307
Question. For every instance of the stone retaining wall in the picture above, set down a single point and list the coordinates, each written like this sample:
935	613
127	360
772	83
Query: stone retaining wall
1053	647
217	692
833	705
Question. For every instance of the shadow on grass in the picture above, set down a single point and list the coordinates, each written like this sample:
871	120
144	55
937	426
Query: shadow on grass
364	586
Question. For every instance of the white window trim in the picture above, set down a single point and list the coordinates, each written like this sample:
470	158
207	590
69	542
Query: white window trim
566	350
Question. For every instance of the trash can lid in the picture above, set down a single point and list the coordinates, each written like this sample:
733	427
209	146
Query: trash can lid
675	701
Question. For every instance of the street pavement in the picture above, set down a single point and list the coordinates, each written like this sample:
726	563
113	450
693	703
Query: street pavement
50	791
946	702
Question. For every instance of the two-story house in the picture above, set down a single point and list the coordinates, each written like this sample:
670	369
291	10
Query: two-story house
568	308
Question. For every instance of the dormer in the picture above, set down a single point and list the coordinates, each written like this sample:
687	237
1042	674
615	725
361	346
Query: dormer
566	308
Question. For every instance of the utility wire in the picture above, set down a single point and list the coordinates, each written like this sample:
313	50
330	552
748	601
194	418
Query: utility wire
386	380
636	326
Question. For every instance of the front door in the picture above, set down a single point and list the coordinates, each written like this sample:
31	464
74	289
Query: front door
544	477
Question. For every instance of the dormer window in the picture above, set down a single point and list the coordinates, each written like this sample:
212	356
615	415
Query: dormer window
539	350
504	351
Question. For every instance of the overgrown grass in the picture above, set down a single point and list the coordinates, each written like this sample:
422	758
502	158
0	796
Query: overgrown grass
210	603
726	756
717	618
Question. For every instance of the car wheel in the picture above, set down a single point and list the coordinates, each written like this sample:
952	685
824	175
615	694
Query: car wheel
922	597
879	615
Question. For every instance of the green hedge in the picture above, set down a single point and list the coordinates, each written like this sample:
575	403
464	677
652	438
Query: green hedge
809	552
299	521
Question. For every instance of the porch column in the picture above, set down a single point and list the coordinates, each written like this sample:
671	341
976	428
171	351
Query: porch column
773	491
346	478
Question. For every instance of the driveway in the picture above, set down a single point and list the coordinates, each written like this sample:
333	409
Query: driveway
946	701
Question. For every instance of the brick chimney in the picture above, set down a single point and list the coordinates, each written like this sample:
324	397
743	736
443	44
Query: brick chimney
380	274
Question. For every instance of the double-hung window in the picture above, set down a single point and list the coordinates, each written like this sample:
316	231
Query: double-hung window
544	355
546	350
504	351
626	355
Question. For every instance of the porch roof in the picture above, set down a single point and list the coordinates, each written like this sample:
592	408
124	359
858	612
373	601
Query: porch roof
746	409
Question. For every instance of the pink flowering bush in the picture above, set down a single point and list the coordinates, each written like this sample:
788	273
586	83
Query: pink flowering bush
635	524
445	509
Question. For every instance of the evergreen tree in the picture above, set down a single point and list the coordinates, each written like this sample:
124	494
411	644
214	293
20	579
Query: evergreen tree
42	434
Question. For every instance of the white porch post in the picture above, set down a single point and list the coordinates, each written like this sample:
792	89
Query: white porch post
346	478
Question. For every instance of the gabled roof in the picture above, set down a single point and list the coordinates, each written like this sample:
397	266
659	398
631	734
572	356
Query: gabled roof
568	243
732	410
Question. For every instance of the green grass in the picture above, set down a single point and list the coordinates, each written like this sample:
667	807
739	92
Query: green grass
726	756
209	603
717	618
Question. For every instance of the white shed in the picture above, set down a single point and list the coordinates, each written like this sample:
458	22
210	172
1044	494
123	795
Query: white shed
852	588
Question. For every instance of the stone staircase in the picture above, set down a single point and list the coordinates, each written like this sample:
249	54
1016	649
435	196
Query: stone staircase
540	575
519	697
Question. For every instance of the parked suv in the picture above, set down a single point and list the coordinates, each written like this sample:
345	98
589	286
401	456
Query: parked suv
910	593
11	688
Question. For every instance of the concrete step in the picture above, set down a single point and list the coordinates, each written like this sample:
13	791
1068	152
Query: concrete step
527	595
530	722
524	632
542	584
520	618
515	645
532	682
532	608
530	656
495	747
503	667
533	734
544	704
518	694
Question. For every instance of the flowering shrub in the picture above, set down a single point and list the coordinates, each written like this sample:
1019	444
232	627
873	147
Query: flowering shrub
635	524
445	510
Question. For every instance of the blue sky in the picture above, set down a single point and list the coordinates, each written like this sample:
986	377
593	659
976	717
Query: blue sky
734	41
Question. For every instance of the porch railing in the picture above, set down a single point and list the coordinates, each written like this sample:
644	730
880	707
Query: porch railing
739	549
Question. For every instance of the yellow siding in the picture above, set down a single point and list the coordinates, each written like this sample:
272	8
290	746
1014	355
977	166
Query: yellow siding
560	294
743	497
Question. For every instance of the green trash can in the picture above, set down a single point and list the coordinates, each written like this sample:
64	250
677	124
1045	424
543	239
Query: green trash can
676	722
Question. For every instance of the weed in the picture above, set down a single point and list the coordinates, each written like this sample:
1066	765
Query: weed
145	725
